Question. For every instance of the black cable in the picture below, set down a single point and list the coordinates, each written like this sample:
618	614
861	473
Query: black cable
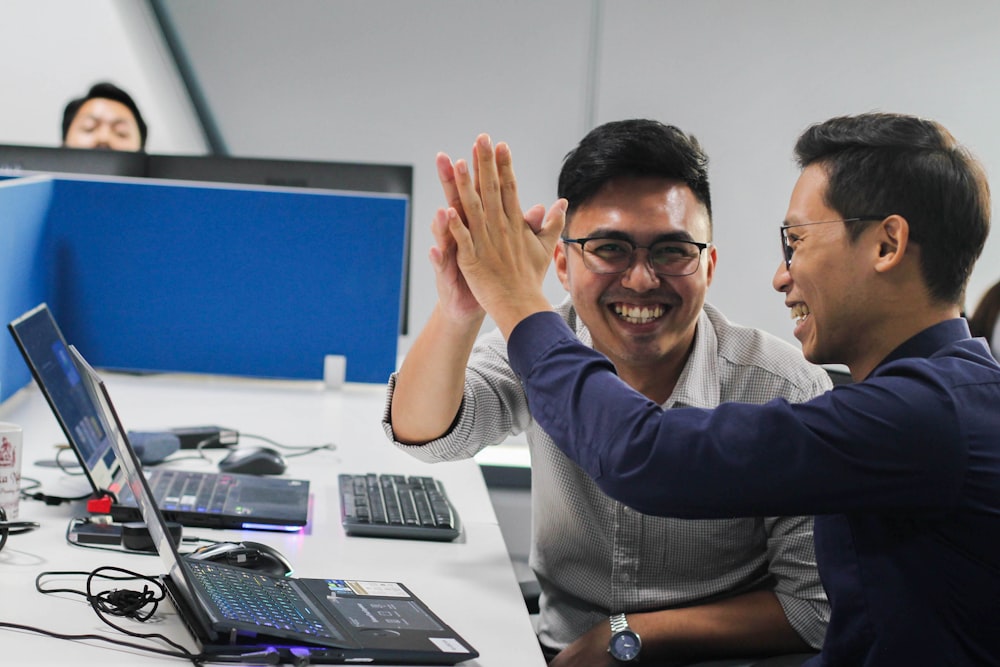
79	473
8	528
298	450
128	604
29	484
197	659
58	500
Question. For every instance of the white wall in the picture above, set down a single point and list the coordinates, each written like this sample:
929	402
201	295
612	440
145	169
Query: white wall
397	80
56	49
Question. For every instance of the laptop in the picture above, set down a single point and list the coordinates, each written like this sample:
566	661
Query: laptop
233	611
215	500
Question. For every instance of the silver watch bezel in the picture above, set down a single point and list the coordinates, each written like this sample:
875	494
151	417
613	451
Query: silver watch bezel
620	629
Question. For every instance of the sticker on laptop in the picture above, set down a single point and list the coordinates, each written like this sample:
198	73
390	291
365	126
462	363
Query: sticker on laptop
448	644
380	588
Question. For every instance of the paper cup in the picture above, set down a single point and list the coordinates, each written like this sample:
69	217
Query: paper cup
10	468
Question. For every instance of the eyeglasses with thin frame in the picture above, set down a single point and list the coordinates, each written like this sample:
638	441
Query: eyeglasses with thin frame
615	255
787	250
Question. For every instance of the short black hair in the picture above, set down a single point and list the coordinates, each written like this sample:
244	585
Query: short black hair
885	164
633	148
104	91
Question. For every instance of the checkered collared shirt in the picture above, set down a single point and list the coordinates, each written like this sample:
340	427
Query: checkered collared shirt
592	555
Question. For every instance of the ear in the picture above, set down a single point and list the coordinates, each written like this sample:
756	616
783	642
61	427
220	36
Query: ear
893	241
561	261
711	258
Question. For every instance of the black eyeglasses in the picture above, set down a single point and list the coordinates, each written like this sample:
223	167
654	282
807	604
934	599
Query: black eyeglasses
615	255
787	250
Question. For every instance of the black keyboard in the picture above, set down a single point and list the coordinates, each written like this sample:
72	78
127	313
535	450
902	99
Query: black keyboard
242	596
397	506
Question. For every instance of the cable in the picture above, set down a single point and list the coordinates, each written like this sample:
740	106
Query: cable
8	528
299	450
26	494
126	604
130	604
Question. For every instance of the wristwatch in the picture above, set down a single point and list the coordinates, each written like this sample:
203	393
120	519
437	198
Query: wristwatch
625	643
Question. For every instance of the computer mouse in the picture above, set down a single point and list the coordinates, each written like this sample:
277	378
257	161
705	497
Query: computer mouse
248	555
254	461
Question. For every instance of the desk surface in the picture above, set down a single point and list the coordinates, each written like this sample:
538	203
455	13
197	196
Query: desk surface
469	583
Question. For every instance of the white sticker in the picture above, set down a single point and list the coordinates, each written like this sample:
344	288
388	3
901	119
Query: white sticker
448	645
382	588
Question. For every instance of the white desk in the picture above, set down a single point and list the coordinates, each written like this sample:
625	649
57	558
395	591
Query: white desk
469	583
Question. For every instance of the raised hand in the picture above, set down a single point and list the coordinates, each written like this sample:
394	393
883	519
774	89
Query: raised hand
454	296
502	258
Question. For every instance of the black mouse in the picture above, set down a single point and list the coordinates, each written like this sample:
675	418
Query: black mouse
254	461
249	555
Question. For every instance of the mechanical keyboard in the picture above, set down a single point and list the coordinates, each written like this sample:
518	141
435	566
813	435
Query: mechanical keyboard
382	505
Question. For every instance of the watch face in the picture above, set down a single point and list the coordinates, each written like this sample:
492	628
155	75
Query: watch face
625	646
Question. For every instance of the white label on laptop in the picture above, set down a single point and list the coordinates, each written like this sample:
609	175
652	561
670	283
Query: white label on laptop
382	588
448	645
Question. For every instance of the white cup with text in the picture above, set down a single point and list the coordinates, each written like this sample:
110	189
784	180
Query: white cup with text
10	468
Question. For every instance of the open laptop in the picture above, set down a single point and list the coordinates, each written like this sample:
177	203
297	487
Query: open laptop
305	621
217	500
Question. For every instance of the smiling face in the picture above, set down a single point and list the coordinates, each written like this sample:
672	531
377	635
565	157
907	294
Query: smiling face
104	123
827	287
644	323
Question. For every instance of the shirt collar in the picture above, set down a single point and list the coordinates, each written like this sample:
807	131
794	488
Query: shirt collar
926	343
698	385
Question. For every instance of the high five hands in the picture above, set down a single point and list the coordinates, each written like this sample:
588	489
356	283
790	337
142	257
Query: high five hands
489	252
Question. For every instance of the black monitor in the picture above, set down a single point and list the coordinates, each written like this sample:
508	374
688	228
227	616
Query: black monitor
354	176
17	160
350	176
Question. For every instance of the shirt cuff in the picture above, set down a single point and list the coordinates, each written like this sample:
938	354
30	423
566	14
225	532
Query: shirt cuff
532	337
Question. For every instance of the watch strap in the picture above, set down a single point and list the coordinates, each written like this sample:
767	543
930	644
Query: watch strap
618	623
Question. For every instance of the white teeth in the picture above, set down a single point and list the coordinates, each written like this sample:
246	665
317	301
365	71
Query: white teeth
800	311
637	314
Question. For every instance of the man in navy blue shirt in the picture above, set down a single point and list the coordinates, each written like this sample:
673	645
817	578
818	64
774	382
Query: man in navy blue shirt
901	468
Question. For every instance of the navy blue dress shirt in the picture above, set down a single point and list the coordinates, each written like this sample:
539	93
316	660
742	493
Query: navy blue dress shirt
902	471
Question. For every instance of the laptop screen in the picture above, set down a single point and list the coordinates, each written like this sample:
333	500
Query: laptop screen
47	354
117	440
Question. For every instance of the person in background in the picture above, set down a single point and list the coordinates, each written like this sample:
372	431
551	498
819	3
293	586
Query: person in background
985	320
106	118
636	260
901	467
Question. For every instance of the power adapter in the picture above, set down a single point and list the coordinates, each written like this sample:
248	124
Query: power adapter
135	535
213	437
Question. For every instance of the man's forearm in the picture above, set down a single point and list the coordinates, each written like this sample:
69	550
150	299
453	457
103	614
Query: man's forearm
753	624
430	382
744	625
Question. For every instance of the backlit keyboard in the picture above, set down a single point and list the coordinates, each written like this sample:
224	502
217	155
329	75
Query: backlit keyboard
397	506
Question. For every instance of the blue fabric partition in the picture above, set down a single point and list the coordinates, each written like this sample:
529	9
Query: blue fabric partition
160	276
24	208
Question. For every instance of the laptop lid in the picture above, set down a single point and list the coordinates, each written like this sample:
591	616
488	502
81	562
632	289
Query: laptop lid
251	502
47	355
373	621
